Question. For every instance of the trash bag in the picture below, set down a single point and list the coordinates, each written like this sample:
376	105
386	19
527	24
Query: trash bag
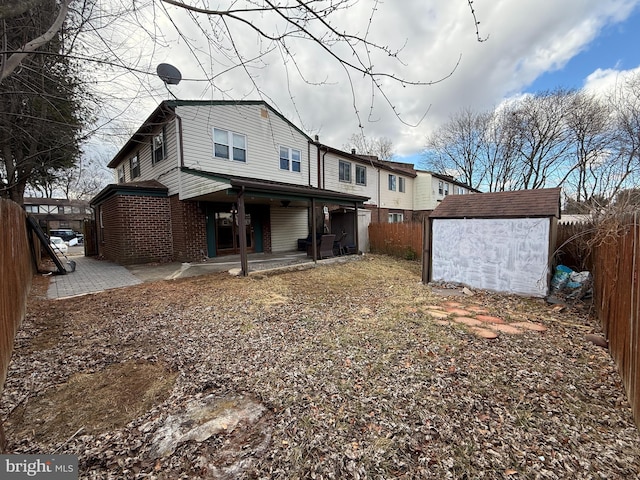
560	278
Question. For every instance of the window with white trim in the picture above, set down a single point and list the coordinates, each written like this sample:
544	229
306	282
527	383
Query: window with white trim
361	175
396	217
229	145
401	185
344	171
158	147
134	166
446	189
290	159
392	183
31	208
460	191
440	187
120	171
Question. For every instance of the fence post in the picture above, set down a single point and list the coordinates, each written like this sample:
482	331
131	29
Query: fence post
426	250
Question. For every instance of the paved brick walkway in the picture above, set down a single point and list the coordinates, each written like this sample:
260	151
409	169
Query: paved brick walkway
90	276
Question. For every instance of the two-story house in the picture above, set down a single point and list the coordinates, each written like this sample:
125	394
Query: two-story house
206	178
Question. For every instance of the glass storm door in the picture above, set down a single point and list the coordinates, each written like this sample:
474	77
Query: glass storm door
227	233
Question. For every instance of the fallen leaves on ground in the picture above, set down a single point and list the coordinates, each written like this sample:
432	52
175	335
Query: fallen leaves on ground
357	378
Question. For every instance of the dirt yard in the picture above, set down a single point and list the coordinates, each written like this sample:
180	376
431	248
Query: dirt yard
352	370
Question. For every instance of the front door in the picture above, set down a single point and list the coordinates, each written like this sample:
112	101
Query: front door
227	230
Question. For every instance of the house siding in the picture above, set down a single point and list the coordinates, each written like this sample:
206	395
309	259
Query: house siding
395	200
265	132
287	226
332	178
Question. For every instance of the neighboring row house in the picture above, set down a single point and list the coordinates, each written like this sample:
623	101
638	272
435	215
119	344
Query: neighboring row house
58	213
195	168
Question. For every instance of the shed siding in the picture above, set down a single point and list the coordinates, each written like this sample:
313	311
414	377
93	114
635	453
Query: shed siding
287	226
265	133
505	255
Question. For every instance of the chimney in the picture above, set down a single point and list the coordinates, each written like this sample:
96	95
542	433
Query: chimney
353	151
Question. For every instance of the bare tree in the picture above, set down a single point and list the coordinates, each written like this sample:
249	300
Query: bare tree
456	148
378	147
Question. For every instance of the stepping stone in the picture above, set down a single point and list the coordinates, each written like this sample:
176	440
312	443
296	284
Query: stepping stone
504	328
442	322
434	307
489	319
436	314
458	311
484	333
536	327
453	304
470	322
478	309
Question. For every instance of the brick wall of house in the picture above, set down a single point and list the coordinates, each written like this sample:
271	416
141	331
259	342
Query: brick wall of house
136	229
189	230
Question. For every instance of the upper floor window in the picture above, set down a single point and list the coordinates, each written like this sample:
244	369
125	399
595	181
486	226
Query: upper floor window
446	189
229	145
460	191
401	186
289	159
48	209
392	183
344	169
396	217
31	208
120	171
440	187
159	148
134	166
361	175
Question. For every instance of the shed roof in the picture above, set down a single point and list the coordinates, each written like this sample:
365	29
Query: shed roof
517	204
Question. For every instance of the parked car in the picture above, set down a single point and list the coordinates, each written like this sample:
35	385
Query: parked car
65	234
80	237
58	245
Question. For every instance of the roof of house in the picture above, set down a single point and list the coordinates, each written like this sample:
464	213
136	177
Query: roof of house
148	188
517	204
448	178
397	167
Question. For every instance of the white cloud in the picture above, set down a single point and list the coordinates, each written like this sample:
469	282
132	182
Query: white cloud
526	39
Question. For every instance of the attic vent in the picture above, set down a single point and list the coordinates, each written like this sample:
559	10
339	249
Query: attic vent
264	113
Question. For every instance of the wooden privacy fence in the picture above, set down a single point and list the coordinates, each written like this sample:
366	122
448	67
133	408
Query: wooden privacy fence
616	262
402	240
16	270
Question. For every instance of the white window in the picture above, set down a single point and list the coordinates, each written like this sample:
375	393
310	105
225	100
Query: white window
401	184
440	187
460	191
396	217
31	208
446	189
392	183
229	145
134	166
120	174
361	175
290	159
48	209
344	171
158	147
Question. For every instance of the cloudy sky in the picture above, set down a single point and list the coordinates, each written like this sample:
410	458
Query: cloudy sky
528	46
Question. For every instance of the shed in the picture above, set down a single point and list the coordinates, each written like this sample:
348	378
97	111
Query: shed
500	241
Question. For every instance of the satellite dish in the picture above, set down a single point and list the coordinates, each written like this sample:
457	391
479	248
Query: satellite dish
169	74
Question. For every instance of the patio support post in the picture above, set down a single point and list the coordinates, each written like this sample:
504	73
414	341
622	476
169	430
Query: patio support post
314	243
242	233
356	240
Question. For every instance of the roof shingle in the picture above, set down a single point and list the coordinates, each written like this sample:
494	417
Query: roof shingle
521	203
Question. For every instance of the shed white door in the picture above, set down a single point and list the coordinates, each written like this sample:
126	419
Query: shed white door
504	255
